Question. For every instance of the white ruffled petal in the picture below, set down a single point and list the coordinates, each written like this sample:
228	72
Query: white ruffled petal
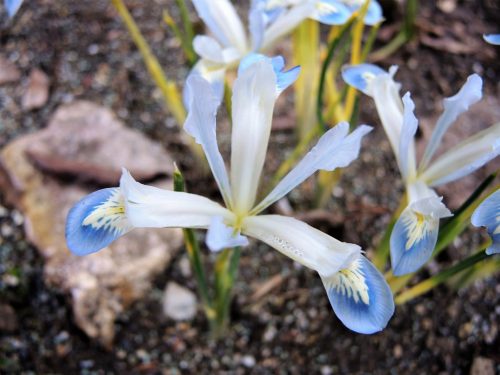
220	236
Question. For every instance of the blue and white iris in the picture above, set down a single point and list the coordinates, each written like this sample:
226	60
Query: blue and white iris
268	21
487	214
358	293
415	233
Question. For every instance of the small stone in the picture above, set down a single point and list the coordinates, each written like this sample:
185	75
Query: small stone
8	320
179	303
37	93
482	366
398	351
185	267
248	361
8	71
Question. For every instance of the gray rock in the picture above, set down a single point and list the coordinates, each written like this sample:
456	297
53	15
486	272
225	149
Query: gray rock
179	303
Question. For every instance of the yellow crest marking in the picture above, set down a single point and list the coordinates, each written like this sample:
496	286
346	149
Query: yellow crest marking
351	282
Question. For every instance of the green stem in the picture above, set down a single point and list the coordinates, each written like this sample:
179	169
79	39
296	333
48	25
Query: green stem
194	254
432	282
186	43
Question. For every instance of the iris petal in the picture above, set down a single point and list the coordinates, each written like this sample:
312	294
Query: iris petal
487	214
331	12
360	297
284	78
407	163
220	236
414	236
96	221
359	76
335	149
12	6
492	39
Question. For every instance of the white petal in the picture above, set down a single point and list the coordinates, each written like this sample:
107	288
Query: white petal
454	106
220	236
257	25
148	206
464	158
360	75
407	163
254	94
301	242
223	21
201	124
385	93
213	73
487	214
208	48
330	12
335	149
286	22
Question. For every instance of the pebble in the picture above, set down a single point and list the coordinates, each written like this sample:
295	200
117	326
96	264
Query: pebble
482	366
248	361
179	303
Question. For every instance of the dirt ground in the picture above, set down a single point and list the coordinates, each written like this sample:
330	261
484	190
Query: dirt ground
84	49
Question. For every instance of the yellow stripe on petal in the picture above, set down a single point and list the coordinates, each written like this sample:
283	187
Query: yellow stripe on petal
351	282
110	214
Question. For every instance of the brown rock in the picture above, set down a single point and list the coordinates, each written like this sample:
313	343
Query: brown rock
87	140
37	92
103	284
8	71
482	366
8	319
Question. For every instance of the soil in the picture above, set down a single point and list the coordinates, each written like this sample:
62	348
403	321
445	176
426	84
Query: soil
87	54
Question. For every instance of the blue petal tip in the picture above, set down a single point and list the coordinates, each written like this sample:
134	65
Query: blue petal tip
360	297
96	221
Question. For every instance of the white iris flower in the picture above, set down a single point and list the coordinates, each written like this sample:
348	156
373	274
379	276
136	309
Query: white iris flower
268	21
415	234
358	293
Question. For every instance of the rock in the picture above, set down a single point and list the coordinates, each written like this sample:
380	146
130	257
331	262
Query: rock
8	71
37	92
101	285
8	318
482	366
480	116
87	140
179	303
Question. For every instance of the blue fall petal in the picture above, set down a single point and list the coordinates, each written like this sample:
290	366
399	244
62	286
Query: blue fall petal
331	12
12	6
358	75
373	14
96	221
413	240
284	77
487	214
492	39
360	297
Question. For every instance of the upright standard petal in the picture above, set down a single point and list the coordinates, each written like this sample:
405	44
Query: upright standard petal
330	12
284	78
414	236
96	221
212	73
360	296
487	214
223	21
151	207
256	25
287	21
301	242
464	158
335	149
492	39
454	106
220	236
254	94
201	125
407	162
359	76
12	6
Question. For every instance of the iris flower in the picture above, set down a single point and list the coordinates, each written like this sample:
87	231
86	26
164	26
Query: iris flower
12	6
415	233
357	292
268	21
487	214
